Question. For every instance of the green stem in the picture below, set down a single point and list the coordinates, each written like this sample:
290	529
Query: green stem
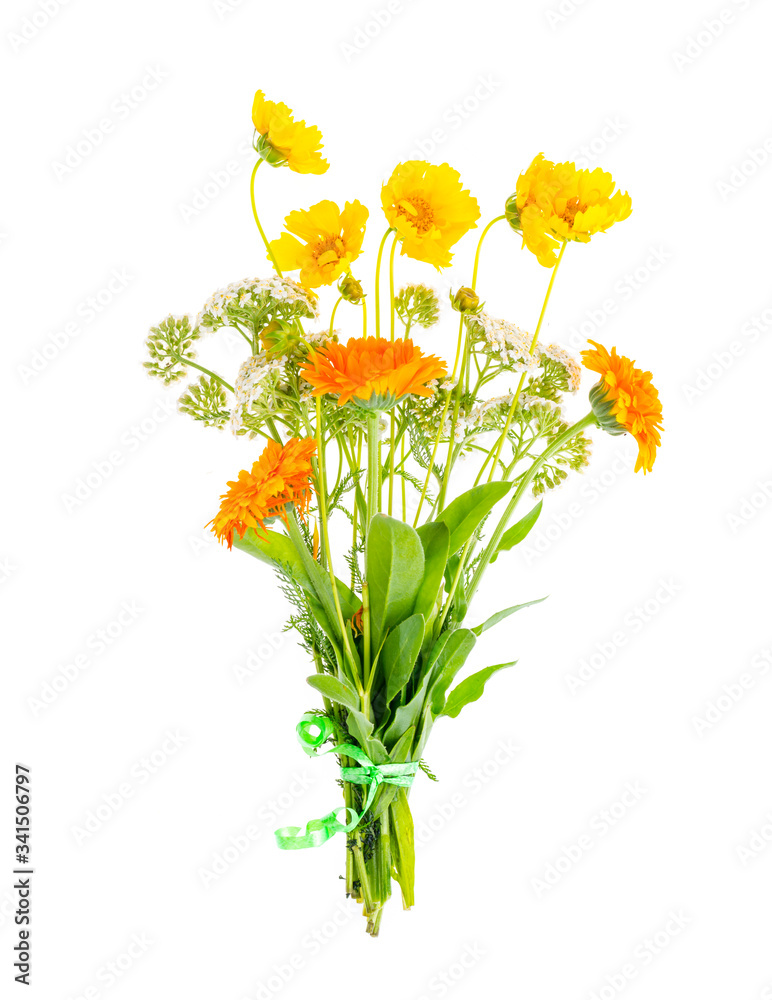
484	233
361	867
453	587
438	435
322	498
525	482
535	340
332	314
206	371
392	451
391	287
378	282
404	484
366	634
373	467
458	392
257	220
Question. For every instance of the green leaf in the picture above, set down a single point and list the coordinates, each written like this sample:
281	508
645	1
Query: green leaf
403	846
399	754
501	615
406	716
514	535
278	549
452	658
350	602
460	605
429	658
399	653
470	689
435	538
395	568
334	689
465	513
275	548
332	633
361	729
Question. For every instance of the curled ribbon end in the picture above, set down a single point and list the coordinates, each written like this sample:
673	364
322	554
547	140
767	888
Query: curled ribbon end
313	730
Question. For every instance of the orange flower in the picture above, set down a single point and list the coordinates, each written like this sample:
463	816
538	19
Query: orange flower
625	400
374	371
281	476
356	622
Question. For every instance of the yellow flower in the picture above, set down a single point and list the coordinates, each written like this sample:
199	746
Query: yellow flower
555	202
625	401
331	241
429	209
283	141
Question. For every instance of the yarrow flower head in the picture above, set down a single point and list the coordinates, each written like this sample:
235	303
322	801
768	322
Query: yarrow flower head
430	210
281	141
417	304
506	340
279	478
556	202
624	400
571	375
205	401
329	241
169	345
255	302
372	371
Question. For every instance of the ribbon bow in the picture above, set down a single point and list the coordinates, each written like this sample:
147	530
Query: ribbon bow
313	730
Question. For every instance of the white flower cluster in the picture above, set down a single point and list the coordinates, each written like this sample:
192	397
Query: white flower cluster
568	361
481	411
257	294
509	341
447	385
258	378
463	427
320	336
530	402
253	374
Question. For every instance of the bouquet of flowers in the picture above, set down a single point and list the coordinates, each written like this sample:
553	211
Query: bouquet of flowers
359	500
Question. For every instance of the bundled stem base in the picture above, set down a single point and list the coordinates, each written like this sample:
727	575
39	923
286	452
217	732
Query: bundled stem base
381	848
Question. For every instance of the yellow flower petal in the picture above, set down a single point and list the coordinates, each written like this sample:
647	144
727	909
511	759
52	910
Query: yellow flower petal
429	209
293	143
328	241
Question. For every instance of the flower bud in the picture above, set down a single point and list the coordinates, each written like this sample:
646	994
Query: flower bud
512	213
417	304
350	288
466	300
602	406
276	338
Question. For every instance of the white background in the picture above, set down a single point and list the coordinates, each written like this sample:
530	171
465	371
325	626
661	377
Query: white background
659	584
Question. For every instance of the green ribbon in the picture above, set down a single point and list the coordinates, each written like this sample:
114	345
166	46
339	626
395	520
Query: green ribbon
313	730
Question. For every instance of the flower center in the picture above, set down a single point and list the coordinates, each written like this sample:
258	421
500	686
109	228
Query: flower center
569	213
328	251
418	212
